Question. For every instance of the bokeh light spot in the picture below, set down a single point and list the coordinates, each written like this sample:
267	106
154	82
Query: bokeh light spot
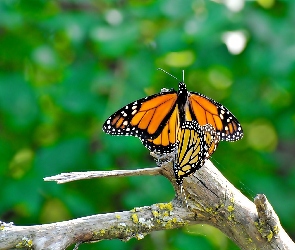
266	3
75	32
54	210
180	59
234	5
220	77
235	41
114	17
44	56
21	162
262	136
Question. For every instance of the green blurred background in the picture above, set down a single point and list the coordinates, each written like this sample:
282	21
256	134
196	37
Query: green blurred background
65	66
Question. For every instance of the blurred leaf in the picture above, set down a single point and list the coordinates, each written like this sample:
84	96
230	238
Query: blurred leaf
186	241
17	102
21	162
218	239
67	154
106	39
54	210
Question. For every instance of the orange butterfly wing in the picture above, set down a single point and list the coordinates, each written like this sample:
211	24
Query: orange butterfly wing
212	140
166	141
144	118
204	110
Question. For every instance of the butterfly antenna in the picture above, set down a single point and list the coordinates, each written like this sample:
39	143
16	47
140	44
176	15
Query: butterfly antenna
183	75
167	73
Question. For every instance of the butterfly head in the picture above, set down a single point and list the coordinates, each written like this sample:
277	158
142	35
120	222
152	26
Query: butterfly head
182	88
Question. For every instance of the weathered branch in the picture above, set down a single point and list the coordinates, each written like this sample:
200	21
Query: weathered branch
74	176
211	200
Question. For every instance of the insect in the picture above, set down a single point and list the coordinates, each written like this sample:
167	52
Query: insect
156	119
195	144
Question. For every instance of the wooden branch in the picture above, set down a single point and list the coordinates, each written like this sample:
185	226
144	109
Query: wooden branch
74	176
211	200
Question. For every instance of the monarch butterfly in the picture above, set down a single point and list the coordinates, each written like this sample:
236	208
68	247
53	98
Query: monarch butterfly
196	144
156	119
